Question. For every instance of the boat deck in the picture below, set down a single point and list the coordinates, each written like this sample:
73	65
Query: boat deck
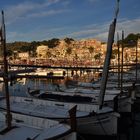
37	109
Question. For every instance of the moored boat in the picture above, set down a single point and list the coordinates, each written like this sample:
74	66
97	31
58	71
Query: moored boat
29	127
87	96
88	117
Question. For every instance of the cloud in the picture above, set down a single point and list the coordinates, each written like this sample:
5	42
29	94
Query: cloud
36	34
97	31
31	9
129	26
93	1
12	35
45	13
100	31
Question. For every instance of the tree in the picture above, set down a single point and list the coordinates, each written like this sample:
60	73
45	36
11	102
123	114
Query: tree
91	50
9	53
53	42
130	40
33	47
98	56
48	54
114	53
68	40
69	50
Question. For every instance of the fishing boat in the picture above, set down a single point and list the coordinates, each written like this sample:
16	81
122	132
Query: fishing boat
86	96
18	126
101	98
94	119
90	120
29	127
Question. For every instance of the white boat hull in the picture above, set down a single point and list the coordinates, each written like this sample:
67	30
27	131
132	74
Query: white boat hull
100	122
30	127
124	104
104	124
124	100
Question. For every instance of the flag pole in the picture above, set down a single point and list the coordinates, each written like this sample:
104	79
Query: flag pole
5	76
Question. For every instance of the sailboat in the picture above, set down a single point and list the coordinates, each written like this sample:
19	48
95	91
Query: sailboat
87	96
101	121
29	127
102	91
90	120
19	126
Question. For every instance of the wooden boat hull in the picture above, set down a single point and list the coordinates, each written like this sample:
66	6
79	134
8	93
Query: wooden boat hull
40	128
103	124
97	123
124	102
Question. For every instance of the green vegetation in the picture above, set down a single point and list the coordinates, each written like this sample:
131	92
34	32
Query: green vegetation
68	40
20	46
130	40
114	53
69	50
98	56
52	43
29	46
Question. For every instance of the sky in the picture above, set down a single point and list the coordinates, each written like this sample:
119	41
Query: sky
38	20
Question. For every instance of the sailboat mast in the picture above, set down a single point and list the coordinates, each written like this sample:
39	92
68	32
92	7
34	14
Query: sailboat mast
118	45
5	76
108	57
137	60
122	61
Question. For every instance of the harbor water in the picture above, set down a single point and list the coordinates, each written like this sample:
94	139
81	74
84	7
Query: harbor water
127	130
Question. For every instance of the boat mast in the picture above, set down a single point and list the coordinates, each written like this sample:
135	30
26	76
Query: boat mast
5	76
122	61
137	60
108	57
118	45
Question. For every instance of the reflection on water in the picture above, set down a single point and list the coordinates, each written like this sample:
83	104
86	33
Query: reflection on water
19	88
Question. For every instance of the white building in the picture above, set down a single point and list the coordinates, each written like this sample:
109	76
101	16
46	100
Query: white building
42	51
23	55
